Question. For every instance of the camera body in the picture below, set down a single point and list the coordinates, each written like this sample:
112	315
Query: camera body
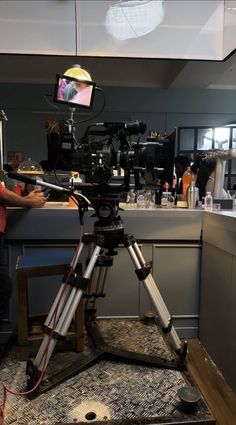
110	146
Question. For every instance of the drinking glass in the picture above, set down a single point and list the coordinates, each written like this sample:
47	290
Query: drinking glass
141	199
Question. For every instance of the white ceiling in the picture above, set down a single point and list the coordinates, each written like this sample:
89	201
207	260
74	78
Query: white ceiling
157	73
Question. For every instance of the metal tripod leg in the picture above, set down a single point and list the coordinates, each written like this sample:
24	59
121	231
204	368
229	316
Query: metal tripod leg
59	319
96	288
164	316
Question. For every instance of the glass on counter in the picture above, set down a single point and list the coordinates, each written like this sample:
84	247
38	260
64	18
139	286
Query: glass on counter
167	200
141	198
131	197
151	198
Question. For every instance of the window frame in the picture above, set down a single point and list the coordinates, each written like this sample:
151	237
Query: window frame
230	177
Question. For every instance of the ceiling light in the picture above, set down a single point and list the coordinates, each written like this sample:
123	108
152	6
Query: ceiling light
134	18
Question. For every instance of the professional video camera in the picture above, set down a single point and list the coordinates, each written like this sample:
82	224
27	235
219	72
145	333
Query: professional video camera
110	146
107	148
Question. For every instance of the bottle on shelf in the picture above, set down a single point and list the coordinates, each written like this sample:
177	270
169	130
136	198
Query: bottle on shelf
208	203
167	200
187	178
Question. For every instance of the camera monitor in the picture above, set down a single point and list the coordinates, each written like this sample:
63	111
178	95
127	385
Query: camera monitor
74	92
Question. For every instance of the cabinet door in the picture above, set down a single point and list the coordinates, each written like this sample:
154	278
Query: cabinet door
217	312
176	270
122	288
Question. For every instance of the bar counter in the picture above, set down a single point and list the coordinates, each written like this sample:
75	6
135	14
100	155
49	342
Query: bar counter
59	222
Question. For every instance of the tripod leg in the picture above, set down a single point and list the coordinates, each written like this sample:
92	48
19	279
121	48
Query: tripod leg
57	307
164	316
62	295
97	284
65	318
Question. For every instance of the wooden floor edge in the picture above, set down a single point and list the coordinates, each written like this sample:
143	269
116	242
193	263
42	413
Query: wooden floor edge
218	395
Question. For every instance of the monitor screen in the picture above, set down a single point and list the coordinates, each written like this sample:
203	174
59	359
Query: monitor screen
74	92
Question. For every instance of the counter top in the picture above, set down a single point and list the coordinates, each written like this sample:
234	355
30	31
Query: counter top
219	230
226	213
61	222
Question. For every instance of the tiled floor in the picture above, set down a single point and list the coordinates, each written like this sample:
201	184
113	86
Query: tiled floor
108	390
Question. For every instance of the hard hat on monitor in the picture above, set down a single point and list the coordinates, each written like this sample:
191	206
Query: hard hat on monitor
79	73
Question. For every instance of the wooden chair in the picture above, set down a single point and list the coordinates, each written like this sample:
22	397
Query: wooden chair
48	264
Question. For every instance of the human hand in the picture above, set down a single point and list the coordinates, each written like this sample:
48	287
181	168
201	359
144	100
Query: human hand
36	198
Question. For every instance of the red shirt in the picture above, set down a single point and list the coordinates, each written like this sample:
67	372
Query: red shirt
3	210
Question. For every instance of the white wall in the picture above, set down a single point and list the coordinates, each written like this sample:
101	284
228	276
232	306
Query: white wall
37	27
179	29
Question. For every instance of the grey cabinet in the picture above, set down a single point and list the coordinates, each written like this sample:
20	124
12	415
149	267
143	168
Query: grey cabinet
125	295
176	271
218	292
217	309
122	288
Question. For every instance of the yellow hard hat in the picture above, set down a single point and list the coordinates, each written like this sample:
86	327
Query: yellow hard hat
77	72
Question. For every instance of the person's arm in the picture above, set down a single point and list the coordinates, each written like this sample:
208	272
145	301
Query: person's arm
34	199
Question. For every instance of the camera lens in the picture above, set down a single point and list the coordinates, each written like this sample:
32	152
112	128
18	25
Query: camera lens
135	127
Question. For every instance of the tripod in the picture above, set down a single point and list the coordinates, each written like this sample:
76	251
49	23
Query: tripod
108	235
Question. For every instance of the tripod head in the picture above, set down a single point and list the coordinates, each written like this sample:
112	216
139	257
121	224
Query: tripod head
109	225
